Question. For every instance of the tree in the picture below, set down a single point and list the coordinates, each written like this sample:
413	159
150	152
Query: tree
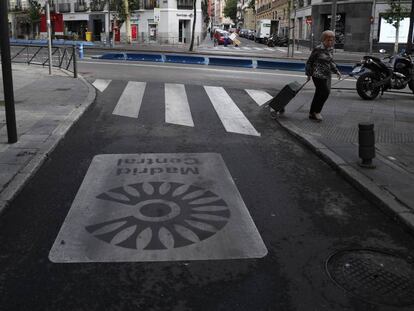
394	15
34	14
410	30
230	10
252	4
194	23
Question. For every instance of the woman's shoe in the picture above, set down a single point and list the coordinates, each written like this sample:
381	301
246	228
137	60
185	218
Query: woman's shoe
315	117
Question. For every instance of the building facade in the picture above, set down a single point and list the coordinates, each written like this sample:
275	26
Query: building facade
358	22
164	21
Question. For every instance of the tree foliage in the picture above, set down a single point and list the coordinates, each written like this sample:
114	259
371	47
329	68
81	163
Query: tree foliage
119	7
34	11
204	9
252	5
396	13
230	10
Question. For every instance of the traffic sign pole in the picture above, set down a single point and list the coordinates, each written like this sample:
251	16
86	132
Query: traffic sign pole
7	73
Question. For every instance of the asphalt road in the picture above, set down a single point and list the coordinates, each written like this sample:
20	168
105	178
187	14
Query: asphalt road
303	211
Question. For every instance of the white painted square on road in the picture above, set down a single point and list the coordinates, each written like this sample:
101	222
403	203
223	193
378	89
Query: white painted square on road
157	207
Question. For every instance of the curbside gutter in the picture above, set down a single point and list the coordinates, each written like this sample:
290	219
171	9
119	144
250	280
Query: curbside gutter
28	171
387	202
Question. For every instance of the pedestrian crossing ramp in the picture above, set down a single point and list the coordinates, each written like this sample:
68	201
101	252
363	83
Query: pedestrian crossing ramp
178	110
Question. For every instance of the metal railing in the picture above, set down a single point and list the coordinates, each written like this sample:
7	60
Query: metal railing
62	56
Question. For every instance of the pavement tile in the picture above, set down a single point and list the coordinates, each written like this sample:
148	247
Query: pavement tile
17	156
7	171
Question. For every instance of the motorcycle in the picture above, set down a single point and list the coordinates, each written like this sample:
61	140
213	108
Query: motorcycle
377	75
276	40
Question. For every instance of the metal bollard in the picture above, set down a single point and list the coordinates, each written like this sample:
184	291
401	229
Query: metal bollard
80	51
366	141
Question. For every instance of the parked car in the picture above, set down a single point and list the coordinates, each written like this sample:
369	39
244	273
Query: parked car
220	36
243	33
251	34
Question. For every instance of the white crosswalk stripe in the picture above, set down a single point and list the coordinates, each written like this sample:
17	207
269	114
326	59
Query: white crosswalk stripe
101	84
260	97
130	101
230	115
177	109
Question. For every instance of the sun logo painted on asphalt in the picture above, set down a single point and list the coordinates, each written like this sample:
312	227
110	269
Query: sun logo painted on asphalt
161	215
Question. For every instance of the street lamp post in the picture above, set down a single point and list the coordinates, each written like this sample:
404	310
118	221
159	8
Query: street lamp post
49	35
7	73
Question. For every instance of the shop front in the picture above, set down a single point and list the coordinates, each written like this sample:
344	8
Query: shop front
76	25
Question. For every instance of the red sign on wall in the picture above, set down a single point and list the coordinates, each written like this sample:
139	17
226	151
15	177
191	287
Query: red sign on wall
56	21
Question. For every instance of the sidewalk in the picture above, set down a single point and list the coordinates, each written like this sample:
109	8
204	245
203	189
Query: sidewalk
335	139
46	107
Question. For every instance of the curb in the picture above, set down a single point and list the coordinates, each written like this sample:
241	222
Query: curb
28	171
386	201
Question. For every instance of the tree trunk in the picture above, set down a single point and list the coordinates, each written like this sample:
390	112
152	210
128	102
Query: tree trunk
194	22
397	31
127	22
410	30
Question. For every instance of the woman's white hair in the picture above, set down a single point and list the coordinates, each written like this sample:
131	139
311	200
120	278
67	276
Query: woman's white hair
327	34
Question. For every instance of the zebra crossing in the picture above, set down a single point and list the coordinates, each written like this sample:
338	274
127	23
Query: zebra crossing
246	48
177	107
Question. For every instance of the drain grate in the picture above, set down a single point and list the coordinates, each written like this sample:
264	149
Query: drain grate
374	276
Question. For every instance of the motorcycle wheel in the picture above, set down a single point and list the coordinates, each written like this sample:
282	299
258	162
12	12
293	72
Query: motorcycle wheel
364	86
270	44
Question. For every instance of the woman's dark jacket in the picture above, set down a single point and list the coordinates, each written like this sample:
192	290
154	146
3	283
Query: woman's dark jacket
320	63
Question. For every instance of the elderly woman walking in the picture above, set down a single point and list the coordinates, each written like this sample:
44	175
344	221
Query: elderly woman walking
319	66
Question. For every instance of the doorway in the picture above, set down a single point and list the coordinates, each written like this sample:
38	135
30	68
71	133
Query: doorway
183	30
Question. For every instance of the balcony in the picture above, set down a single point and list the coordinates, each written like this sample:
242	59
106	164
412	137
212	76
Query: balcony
80	7
64	7
264	7
184	4
97	5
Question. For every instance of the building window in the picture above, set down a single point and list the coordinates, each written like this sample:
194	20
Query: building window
309	2
150	4
184	4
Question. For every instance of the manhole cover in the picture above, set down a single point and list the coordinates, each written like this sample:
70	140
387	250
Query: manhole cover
374	276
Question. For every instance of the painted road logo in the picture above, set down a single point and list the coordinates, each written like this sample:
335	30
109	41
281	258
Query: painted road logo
157	207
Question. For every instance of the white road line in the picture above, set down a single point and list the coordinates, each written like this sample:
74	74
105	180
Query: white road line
246	48
177	109
260	97
230	115
101	84
281	50
269	49
259	49
130	101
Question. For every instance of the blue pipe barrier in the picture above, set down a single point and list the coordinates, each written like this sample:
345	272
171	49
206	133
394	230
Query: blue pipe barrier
234	62
291	66
144	57
114	56
185	59
54	42
345	69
